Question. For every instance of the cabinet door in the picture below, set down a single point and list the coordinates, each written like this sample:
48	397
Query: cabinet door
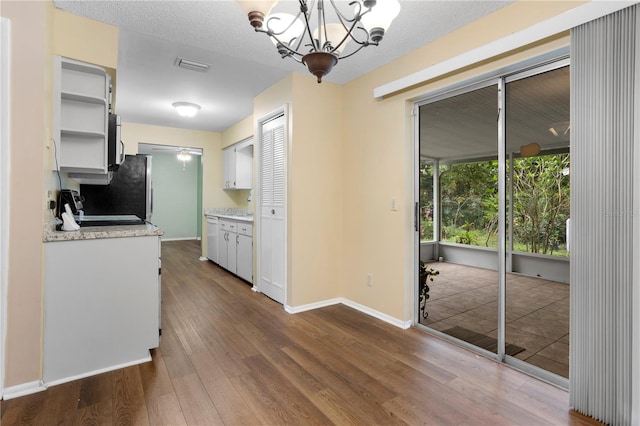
229	168
222	248
245	258
244	166
102	316
232	255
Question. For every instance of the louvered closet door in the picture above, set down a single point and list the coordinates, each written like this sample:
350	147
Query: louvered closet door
272	210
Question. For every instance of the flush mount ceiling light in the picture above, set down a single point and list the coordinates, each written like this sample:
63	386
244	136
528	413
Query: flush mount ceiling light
186	109
184	156
321	48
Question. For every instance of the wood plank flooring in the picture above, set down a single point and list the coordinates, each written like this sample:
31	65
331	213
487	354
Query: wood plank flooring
229	356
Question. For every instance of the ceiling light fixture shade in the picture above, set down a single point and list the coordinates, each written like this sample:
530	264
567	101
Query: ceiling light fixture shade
184	156
256	10
320	49
186	109
379	20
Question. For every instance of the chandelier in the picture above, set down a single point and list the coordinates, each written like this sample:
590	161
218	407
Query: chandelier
313	41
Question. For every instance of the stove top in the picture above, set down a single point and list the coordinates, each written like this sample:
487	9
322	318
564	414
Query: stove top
108	220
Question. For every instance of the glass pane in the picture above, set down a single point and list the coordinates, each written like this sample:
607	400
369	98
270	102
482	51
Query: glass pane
426	201
459	140
537	282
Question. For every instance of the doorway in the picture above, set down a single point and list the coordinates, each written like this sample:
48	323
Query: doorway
493	215
272	205
177	190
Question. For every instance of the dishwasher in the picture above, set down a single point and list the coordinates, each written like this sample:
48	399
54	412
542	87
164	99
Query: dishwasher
212	238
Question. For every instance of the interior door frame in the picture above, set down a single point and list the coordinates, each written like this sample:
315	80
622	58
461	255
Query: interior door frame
281	111
5	164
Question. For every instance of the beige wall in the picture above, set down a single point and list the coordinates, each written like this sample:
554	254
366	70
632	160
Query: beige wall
212	193
378	156
85	39
243	129
29	117
314	184
315	187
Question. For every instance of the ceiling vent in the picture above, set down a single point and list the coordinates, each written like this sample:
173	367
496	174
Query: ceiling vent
191	65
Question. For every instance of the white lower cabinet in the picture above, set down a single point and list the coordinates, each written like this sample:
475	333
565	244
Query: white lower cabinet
235	248
227	244
101	305
245	252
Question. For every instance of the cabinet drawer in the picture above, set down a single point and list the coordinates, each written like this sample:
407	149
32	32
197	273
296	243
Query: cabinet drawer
245	229
227	225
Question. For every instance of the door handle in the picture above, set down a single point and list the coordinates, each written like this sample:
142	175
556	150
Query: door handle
273	211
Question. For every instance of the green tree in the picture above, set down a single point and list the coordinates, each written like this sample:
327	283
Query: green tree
540	202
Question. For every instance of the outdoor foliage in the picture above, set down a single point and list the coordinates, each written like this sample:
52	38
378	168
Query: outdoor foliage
469	203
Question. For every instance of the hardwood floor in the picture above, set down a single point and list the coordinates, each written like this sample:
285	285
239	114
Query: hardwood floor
231	356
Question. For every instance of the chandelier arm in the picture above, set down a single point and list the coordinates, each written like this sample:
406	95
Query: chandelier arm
356	16
284	45
352	24
366	41
346	36
307	13
363	45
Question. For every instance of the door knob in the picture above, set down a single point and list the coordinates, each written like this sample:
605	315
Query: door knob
273	211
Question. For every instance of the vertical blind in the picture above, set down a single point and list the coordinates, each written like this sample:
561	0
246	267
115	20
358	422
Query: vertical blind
604	105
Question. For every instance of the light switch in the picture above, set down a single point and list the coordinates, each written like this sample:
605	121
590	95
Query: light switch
394	204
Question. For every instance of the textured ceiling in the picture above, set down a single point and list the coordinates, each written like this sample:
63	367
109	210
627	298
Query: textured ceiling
243	63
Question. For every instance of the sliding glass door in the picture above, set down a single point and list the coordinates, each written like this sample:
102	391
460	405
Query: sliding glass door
458	211
537	265
492	208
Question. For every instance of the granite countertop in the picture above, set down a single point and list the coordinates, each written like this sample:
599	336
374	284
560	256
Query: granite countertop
231	213
244	218
97	232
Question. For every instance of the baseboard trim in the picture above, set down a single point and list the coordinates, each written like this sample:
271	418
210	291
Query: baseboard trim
23	389
180	239
377	314
99	371
312	306
364	309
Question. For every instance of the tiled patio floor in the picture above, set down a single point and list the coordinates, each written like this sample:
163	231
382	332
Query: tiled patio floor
537	311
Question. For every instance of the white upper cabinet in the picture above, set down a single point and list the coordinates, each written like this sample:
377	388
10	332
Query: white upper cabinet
237	165
81	116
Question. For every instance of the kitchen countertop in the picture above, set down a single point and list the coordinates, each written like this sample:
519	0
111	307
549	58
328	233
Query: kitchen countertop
231	213
97	232
243	218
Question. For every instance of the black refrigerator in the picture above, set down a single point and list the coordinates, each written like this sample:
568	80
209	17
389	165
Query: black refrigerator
129	193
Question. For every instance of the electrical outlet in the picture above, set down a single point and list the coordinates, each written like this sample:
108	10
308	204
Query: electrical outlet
370	280
394	204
